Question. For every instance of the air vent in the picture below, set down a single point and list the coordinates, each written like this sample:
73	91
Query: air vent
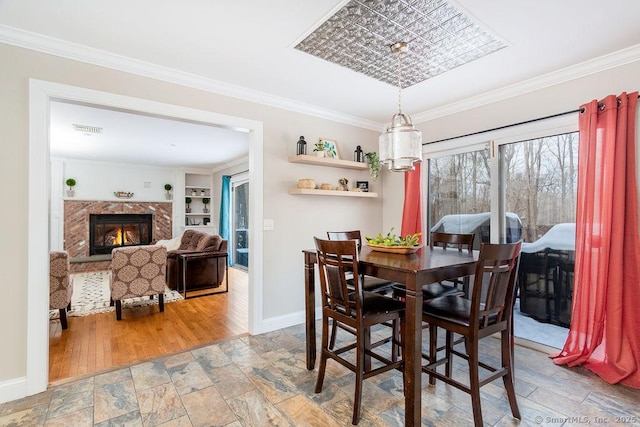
87	130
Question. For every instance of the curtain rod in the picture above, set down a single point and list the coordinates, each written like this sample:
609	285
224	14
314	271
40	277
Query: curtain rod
578	110
238	173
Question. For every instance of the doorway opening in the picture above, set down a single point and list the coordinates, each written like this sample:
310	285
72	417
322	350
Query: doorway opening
41	216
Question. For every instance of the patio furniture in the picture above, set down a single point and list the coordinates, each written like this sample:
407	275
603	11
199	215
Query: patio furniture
545	276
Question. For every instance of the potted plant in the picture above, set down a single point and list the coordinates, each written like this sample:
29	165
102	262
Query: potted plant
168	188
373	161
205	201
71	183
320	148
187	201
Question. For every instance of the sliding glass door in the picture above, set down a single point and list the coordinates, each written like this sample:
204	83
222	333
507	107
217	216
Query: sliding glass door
240	221
512	184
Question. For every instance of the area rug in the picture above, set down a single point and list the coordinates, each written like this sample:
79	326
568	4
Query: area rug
91	296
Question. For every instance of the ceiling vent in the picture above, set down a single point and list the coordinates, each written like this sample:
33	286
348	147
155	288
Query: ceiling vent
87	130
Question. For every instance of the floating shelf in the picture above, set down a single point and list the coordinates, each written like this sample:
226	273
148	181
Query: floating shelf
327	161
304	191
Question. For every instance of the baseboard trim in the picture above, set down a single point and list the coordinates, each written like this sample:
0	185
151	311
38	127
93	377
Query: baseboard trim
292	319
13	389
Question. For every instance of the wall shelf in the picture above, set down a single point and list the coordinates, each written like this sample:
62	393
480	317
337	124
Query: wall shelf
327	161
308	192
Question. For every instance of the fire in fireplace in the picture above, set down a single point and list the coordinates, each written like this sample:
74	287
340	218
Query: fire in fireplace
108	231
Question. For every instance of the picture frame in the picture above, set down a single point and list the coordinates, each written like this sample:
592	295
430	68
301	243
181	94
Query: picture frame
330	148
363	186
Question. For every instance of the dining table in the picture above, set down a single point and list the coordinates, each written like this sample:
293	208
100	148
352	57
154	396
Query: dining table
425	266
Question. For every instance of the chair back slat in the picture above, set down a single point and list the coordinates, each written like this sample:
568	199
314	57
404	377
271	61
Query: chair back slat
335	259
459	240
494	288
346	235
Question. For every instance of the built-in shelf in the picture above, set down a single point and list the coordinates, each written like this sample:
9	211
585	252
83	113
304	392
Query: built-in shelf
327	161
305	191
197	214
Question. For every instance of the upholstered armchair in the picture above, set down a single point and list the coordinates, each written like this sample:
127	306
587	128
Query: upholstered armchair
137	271
201	258
60	285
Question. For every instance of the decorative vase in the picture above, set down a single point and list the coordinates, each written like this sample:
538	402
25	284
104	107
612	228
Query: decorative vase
167	195
70	193
194	192
202	192
188	209
205	210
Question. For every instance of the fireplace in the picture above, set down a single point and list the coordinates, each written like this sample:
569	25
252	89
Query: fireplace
108	231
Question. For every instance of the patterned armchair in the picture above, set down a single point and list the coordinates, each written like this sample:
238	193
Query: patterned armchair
60	286
137	271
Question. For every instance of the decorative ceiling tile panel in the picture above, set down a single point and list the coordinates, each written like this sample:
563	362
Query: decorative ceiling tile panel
440	37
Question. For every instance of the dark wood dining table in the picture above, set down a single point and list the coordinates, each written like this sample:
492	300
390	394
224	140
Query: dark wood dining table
413	270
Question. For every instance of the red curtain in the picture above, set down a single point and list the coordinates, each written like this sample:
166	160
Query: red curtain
605	320
412	210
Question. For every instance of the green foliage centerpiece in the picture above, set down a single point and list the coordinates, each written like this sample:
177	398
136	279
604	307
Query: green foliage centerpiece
393	243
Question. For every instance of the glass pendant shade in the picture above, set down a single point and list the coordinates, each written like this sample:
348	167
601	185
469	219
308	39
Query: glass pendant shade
400	146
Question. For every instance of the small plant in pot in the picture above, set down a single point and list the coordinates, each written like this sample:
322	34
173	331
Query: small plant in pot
373	161
205	201
167	188
320	148
71	183
187	201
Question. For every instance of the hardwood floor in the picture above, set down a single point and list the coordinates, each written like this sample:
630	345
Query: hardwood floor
99	342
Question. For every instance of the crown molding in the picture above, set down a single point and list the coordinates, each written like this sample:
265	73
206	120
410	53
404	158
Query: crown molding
74	51
583	69
78	52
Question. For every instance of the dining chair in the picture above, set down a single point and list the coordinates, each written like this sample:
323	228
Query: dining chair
489	310
369	283
359	310
439	289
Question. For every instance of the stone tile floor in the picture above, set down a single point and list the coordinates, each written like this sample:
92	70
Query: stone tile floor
262	381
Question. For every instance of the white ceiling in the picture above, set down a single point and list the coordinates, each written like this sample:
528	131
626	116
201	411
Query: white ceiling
246	48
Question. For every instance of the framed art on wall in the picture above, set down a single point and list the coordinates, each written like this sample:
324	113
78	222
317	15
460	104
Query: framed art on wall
330	147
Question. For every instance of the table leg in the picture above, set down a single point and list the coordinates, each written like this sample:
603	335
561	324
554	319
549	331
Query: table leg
310	310
413	354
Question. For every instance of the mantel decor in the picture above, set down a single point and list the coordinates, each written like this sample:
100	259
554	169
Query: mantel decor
123	194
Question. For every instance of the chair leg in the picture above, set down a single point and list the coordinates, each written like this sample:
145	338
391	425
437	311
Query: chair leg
433	350
360	366
161	301
394	340
323	353
69	306
334	332
474	382
63	318
507	362
447	348
118	310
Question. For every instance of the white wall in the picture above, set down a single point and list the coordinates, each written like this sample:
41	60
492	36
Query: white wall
297	218
99	180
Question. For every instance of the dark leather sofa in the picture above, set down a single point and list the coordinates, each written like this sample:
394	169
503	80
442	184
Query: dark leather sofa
205	268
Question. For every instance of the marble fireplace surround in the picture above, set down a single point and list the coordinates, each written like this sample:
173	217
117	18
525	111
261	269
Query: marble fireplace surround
76	222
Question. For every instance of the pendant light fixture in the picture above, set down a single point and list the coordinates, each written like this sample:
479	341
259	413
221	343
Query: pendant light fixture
400	145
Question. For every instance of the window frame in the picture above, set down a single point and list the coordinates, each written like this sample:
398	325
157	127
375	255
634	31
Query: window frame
493	140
